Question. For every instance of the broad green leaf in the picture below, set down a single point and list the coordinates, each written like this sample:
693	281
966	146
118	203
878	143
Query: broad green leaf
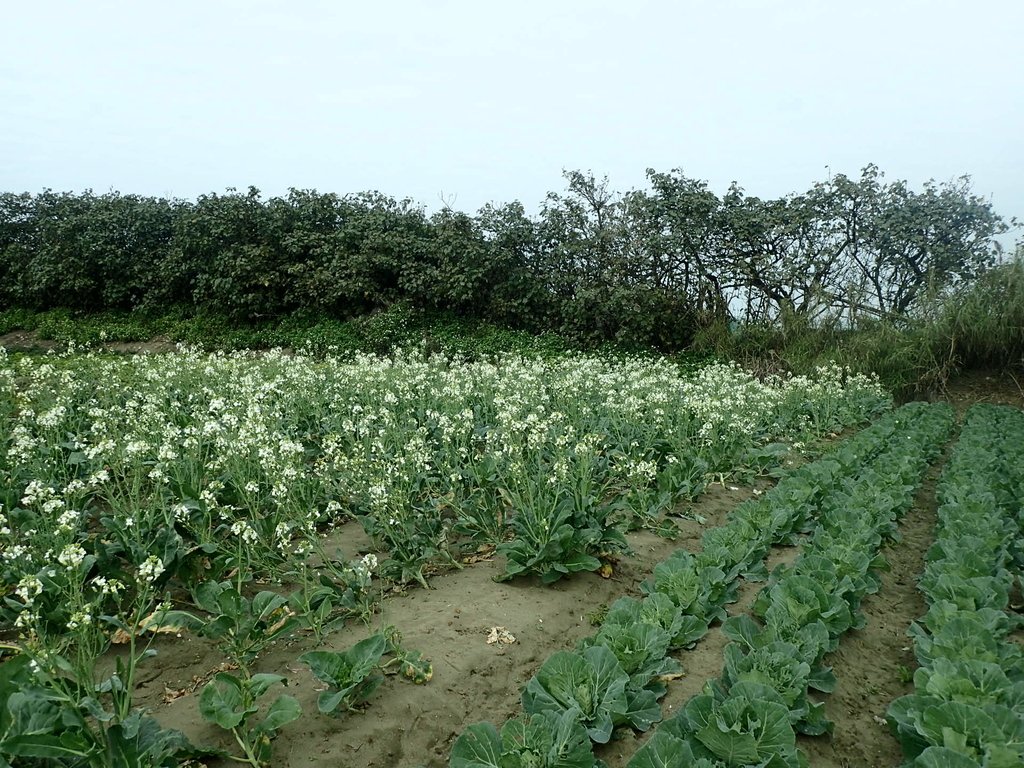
141	741
343	668
558	740
45	746
591	681
663	751
642	710
259	683
478	746
748	727
940	757
284	710
221	702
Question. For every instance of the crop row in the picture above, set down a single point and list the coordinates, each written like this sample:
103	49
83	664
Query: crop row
752	713
968	707
616	677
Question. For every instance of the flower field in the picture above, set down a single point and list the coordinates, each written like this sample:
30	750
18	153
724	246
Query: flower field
287	522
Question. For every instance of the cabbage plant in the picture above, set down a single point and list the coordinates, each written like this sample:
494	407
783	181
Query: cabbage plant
543	740
593	682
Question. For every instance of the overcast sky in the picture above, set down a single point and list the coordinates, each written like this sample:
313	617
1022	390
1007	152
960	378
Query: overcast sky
489	101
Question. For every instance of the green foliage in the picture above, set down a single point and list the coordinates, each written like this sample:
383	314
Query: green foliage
799	601
542	740
45	715
748	726
732	548
810	642
556	542
969	689
230	702
323	600
642	651
992	734
781	667
943	757
591	681
651	269
664	750
657	609
752	713
241	626
352	675
699	590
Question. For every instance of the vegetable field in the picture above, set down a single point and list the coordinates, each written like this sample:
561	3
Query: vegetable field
281	560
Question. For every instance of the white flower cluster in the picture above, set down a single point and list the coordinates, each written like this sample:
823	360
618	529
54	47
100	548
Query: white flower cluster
245	530
71	556
150	569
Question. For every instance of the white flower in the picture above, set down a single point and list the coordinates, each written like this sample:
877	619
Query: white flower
68	520
98	478
71	556
101	448
28	588
136	447
151	569
79	619
282	531
246	531
53	417
26	619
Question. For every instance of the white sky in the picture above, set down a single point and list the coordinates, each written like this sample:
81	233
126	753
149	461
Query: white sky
489	101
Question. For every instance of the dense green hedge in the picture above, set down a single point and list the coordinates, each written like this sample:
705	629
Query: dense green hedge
650	268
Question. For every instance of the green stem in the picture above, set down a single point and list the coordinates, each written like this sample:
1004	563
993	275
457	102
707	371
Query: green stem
249	756
123	701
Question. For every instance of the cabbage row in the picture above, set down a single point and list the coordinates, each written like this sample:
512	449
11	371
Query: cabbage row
751	714
968	707
616	677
